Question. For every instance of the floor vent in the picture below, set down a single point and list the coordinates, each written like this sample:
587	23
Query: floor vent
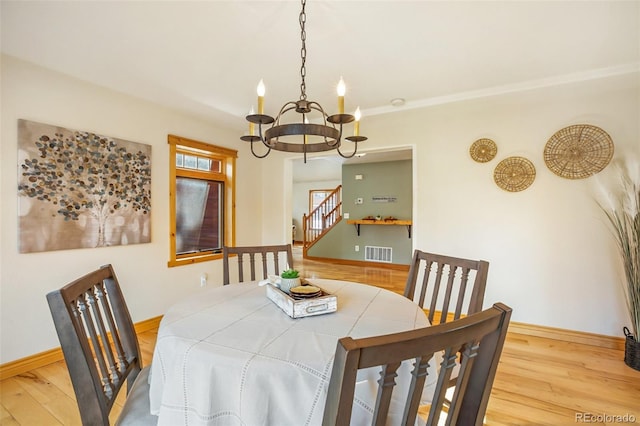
378	254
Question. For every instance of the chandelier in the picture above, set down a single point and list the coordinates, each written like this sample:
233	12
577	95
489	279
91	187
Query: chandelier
303	136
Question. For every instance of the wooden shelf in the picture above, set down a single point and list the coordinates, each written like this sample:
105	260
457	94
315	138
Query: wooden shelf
358	222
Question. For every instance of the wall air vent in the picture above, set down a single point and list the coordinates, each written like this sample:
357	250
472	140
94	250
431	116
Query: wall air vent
378	254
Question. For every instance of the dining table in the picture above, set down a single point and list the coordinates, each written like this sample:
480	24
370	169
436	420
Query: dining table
228	355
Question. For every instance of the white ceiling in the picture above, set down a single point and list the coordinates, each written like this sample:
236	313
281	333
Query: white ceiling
206	57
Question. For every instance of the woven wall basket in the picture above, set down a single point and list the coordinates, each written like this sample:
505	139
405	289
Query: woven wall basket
483	150
514	174
578	151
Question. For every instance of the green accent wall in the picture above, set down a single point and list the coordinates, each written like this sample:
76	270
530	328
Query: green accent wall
387	179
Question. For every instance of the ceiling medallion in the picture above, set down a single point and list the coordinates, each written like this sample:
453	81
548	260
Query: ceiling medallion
578	151
483	150
324	134
514	174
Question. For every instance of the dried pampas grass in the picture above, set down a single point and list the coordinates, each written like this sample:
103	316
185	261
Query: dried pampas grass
619	199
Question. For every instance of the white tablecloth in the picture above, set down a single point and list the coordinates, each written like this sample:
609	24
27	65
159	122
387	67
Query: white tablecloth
230	356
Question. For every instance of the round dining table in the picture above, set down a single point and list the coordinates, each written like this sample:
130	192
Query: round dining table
230	356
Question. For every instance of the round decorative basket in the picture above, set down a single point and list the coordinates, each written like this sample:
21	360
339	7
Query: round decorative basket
631	350
578	151
483	150
514	174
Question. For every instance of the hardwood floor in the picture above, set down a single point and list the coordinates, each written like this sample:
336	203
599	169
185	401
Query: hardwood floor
540	381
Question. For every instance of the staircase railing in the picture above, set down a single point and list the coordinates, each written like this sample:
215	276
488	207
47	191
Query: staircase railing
322	219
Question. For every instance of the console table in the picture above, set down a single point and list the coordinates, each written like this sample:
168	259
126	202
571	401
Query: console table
358	222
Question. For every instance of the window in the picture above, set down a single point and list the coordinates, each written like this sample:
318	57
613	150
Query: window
201	199
316	197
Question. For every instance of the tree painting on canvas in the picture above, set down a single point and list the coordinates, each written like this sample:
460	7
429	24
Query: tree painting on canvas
78	189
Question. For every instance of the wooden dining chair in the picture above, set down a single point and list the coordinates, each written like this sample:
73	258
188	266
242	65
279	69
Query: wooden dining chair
101	349
479	337
446	285
274	259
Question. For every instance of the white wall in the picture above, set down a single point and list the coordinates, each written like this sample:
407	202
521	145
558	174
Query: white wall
36	94
551	257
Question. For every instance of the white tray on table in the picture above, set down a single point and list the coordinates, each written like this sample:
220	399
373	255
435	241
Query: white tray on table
323	304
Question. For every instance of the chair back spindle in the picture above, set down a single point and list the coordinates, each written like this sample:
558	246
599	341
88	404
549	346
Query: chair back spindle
452	286
270	259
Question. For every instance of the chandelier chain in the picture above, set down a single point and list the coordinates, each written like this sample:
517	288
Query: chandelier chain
303	52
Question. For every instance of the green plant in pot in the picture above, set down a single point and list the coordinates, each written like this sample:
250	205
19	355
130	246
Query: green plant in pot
288	279
621	205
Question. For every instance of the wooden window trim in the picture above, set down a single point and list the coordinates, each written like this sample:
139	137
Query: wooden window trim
311	191
227	157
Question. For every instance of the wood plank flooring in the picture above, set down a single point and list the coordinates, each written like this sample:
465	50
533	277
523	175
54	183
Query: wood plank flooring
540	381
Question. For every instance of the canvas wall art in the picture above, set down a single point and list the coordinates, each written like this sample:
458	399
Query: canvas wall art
77	189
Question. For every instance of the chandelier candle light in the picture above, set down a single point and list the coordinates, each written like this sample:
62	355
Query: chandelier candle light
326	136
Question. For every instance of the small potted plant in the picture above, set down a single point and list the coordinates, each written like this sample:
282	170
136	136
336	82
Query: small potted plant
289	279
